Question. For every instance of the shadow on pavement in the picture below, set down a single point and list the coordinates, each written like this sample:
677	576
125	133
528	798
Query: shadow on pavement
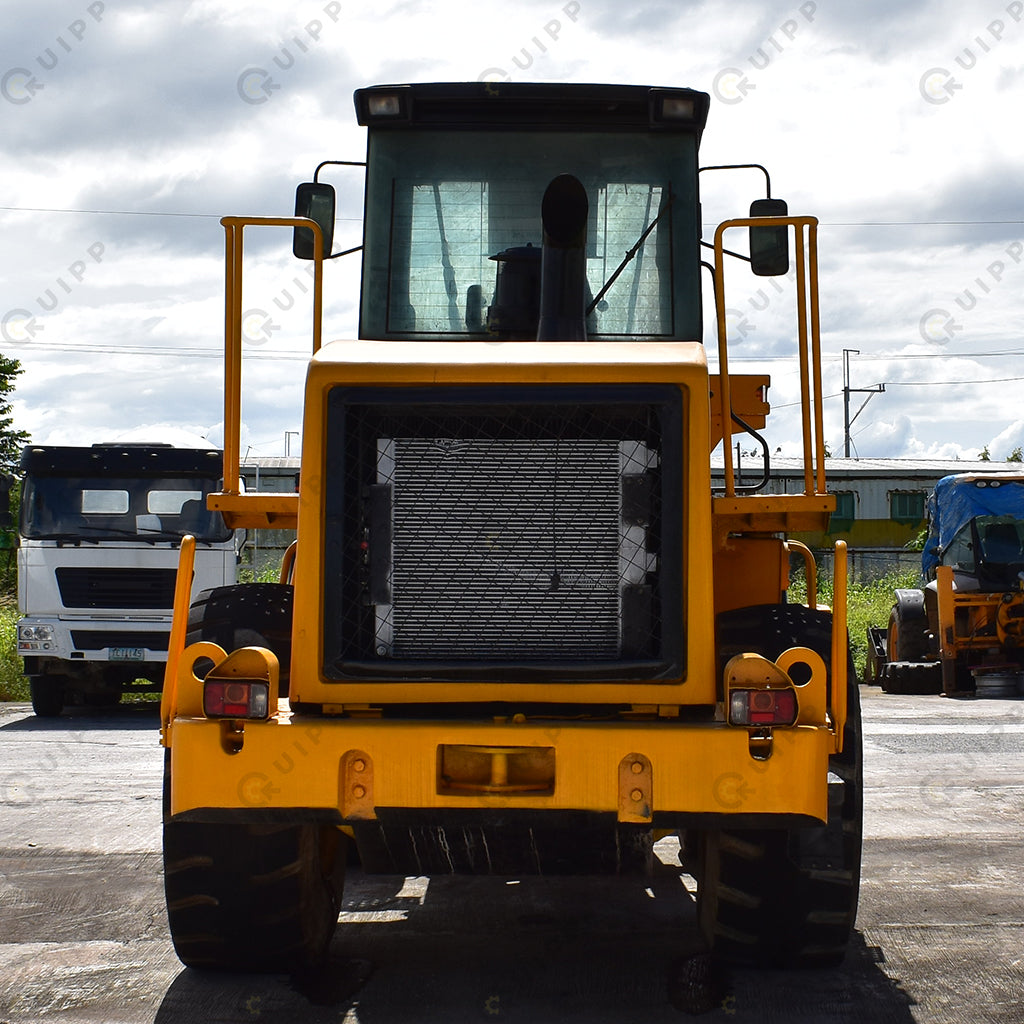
136	715
531	950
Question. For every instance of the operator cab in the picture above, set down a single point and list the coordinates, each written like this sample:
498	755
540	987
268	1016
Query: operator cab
987	554
456	180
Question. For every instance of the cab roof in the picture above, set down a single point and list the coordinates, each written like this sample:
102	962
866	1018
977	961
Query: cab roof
533	106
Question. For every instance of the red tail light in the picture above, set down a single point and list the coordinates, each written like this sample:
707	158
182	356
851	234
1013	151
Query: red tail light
236	698
762	707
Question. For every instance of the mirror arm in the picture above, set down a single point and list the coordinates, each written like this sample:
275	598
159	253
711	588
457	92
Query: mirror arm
346	252
728	252
336	163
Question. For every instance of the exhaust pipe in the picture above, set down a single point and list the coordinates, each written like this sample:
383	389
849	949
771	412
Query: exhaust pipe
563	273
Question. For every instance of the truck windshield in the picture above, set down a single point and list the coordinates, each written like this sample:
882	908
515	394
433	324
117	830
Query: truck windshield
443	204
92	508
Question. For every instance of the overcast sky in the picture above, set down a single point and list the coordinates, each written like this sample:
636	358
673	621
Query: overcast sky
127	130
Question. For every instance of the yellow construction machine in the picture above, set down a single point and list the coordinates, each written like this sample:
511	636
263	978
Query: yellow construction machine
524	627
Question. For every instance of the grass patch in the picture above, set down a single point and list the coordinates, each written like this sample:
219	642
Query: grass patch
13	684
867	604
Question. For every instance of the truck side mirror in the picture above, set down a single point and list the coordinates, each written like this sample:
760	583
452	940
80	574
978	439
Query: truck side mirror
769	246
315	200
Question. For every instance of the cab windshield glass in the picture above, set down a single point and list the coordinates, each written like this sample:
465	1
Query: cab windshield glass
119	509
443	204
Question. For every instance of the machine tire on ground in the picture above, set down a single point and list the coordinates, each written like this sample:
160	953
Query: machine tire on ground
250	897
911	677
908	627
260	898
908	669
47	693
787	897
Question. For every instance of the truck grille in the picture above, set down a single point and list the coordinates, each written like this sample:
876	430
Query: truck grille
531	532
99	639
97	587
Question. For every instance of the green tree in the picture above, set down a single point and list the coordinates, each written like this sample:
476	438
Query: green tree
984	456
11	440
1017	455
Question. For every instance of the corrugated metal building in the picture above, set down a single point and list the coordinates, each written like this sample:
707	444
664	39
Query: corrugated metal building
880	503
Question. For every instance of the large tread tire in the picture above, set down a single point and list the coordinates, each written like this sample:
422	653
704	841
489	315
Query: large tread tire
788	897
254	898
47	693
908	627
260	898
246	615
912	678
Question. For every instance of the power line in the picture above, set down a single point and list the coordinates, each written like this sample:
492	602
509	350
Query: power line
161	352
944	354
948	383
823	224
906	223
127	213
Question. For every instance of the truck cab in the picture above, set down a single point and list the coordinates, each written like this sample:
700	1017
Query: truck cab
97	557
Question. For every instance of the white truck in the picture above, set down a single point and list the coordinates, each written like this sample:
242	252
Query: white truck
100	529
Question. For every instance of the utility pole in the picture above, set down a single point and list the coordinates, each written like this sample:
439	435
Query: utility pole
875	389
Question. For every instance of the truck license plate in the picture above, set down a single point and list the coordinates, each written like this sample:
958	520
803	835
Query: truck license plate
127	654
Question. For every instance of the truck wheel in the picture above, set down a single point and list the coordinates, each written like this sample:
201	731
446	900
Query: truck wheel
47	694
246	615
908	627
788	897
244	897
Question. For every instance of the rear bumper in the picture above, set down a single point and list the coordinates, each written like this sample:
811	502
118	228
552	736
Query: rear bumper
344	771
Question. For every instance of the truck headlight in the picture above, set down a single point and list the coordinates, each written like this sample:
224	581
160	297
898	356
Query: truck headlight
35	631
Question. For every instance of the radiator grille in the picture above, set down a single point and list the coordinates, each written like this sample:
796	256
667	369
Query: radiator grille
500	535
503	548
100	587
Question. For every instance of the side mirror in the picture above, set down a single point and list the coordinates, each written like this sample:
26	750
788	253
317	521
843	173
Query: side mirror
315	200
769	247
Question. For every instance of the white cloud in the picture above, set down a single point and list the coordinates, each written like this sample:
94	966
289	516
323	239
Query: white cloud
894	122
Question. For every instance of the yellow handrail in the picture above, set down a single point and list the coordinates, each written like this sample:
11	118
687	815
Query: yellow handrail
808	345
840	648
176	641
810	569
233	232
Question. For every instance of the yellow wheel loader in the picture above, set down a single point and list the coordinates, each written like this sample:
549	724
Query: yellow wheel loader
523	628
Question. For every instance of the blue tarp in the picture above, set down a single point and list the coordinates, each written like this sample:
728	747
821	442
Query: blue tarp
958	499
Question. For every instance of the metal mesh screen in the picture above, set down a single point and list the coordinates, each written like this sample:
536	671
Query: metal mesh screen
519	533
